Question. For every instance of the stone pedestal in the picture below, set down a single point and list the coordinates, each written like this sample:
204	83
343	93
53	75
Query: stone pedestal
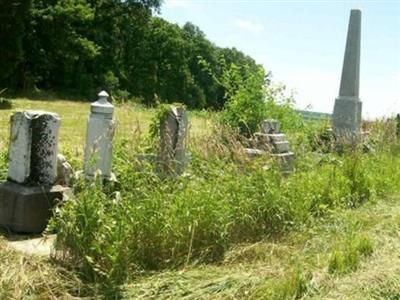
99	137
347	115
27	208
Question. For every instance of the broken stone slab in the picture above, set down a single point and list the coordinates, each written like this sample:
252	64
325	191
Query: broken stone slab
33	147
28	208
270	126
172	156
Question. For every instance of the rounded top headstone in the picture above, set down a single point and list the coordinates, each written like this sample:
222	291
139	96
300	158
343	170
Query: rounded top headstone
102	106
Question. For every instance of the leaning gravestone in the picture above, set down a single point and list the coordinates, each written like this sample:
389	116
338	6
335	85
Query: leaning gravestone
29	194
347	109
99	138
173	138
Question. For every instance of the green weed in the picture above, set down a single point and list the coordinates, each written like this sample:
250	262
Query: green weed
347	259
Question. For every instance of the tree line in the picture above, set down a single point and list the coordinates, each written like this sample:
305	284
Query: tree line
76	47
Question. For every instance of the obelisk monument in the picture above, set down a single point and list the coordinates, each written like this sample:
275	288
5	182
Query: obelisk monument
347	109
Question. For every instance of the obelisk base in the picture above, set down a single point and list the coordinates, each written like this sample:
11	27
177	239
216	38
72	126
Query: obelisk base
347	115
27	209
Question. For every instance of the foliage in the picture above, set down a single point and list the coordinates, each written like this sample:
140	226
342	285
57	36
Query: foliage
245	107
251	98
78	47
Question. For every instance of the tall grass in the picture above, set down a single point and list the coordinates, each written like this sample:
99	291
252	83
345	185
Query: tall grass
111	233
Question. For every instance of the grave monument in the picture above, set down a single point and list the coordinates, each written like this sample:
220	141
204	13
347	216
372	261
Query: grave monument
29	194
347	109
99	137
173	138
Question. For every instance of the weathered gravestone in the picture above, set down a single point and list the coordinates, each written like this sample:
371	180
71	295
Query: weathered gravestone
29	194
271	141
347	109
172	157
99	138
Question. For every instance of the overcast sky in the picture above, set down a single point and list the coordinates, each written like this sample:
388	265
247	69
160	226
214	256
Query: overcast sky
302	43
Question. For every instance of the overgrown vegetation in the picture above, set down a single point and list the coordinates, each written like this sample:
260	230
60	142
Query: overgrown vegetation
115	234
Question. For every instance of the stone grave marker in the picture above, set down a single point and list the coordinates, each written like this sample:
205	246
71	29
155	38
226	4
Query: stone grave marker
29	194
173	139
99	137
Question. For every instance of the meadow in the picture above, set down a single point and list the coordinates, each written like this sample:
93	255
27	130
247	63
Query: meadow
229	228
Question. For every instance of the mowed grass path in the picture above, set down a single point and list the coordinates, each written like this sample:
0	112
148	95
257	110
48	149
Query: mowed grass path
74	116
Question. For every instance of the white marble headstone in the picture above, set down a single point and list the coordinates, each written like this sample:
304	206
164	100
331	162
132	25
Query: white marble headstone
99	137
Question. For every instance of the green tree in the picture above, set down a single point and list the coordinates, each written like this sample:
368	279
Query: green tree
12	18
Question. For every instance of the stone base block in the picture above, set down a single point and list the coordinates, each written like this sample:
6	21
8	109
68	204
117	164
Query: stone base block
277	137
281	147
27	209
347	115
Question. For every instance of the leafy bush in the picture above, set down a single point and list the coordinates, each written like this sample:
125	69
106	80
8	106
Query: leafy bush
245	107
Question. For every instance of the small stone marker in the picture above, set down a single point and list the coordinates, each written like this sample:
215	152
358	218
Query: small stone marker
29	194
173	138
348	107
99	137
